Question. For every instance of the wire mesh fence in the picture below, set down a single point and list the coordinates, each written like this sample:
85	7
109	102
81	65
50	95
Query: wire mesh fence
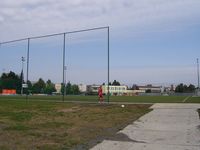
59	64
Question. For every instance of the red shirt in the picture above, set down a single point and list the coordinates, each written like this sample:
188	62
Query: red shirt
100	91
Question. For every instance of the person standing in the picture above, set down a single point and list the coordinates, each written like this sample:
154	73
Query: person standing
100	94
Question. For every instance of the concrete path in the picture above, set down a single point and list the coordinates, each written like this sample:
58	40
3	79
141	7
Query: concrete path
167	127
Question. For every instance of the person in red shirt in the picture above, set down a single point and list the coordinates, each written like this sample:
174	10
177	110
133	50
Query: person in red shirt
100	94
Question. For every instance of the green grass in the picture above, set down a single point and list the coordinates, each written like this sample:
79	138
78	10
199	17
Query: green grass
193	100
134	99
54	125
16	116
44	122
18	127
149	99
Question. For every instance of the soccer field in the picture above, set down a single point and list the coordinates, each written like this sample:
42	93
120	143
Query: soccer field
129	99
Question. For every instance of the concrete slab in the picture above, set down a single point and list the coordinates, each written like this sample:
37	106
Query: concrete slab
167	127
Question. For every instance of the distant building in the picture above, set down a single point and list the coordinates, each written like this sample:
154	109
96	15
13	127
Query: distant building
136	92
58	87
82	88
119	90
150	88
172	88
92	89
9	92
115	90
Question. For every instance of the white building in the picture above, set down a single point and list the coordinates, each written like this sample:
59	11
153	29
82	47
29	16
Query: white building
82	88
115	90
152	89
92	89
58	87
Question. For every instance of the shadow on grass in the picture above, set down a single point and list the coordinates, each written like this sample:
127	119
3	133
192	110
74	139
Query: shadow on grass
114	135
123	138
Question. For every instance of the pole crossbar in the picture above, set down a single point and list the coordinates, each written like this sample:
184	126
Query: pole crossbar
55	34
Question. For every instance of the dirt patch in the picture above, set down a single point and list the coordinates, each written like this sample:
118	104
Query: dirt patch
73	109
2	125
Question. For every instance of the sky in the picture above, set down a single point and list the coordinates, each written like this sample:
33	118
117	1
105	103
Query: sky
151	41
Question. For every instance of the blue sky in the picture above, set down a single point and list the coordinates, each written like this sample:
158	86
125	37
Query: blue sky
152	41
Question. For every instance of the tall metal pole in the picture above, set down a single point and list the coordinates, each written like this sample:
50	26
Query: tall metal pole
22	74
27	69
65	79
108	64
198	72
63	98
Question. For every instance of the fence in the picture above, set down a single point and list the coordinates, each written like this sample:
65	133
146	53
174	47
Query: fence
60	57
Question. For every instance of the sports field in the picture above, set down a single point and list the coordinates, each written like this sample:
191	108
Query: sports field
54	125
45	122
94	99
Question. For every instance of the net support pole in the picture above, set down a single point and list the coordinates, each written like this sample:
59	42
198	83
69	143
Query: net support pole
27	69
64	86
198	73
108	47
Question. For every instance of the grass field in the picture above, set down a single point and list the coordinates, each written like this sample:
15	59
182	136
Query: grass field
44	122
133	99
51	125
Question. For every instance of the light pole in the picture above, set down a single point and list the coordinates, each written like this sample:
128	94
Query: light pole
22	74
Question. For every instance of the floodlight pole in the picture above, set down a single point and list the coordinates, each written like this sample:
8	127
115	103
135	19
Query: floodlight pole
198	72
64	67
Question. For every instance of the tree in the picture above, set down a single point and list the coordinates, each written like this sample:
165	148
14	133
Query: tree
10	81
115	83
191	88
62	88
75	89
71	89
50	87
68	88
29	84
181	88
39	86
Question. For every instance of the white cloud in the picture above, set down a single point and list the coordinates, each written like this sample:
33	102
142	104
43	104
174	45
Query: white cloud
25	18
1	19
34	17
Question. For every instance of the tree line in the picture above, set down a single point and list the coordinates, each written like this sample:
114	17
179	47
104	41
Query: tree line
183	88
12	80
